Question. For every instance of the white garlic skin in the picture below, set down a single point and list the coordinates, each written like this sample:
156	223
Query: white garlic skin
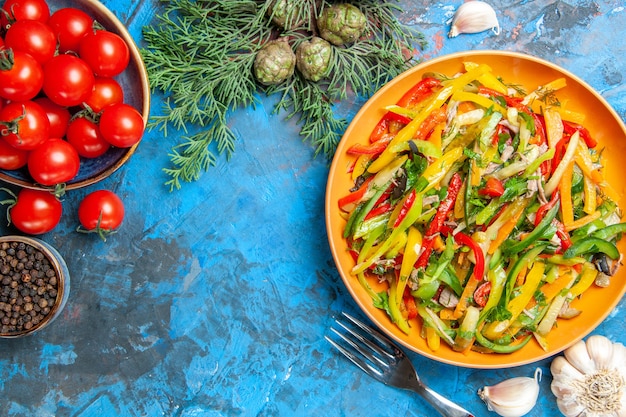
581	361
474	17
513	397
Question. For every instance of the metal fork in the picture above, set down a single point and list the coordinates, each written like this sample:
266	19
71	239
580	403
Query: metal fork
381	359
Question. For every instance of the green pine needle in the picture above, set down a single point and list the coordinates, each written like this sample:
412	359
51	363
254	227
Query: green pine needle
200	56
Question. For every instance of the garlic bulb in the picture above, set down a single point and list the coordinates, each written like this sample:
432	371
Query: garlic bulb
590	379
473	17
513	397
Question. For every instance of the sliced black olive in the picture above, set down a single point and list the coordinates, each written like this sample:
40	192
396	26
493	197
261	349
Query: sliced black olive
602	264
398	190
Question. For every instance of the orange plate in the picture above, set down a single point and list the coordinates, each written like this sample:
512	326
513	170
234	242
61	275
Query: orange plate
602	121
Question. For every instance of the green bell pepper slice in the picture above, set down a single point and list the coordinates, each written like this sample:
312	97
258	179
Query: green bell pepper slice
592	244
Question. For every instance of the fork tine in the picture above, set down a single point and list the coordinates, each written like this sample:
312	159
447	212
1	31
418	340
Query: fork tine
373	347
369	356
382	339
364	366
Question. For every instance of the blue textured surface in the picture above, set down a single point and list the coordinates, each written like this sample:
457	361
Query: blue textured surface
214	300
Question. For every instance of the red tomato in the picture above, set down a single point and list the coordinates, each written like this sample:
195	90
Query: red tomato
85	137
105	91
35	211
33	37
53	162
101	211
70	25
24	10
121	125
24	125
21	76
105	52
12	158
493	188
481	295
58	116
68	80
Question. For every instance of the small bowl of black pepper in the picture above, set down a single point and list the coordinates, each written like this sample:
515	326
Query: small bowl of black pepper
34	285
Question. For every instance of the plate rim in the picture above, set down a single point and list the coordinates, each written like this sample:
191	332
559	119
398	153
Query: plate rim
374	315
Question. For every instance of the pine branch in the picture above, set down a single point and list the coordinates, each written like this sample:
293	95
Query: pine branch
200	55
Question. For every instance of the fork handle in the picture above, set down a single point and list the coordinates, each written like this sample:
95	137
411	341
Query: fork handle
444	406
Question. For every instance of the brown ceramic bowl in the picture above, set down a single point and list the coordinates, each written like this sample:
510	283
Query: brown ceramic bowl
530	72
134	82
32	290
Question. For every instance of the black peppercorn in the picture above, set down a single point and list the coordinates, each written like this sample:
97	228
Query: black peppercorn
28	287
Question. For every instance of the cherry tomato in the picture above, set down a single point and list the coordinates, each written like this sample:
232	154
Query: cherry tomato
33	37
85	137
67	80
70	25
481	295
53	162
35	211
24	125
105	91
105	52
21	76
101	210
493	188
12	158
58	116
121	125
24	10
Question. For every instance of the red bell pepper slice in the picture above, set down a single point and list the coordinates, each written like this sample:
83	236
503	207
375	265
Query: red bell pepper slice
377	211
371	149
542	210
354	196
465	240
515	102
541	138
411	306
500	129
382	127
428	125
419	92
406	206
436	224
570	128
493	188
563	235
479	257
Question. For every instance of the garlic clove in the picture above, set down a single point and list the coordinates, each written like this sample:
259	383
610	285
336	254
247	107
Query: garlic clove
473	17
570	408
513	397
600	350
578	356
563	374
618	357
622	411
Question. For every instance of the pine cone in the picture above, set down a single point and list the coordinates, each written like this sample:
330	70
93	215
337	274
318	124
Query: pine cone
341	23
313	58
274	63
281	11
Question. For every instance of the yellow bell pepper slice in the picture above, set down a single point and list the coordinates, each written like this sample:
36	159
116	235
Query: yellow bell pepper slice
495	329
554	126
432	103
583	221
565	186
462	96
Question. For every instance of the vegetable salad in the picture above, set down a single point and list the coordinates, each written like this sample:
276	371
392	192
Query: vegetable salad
484	208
